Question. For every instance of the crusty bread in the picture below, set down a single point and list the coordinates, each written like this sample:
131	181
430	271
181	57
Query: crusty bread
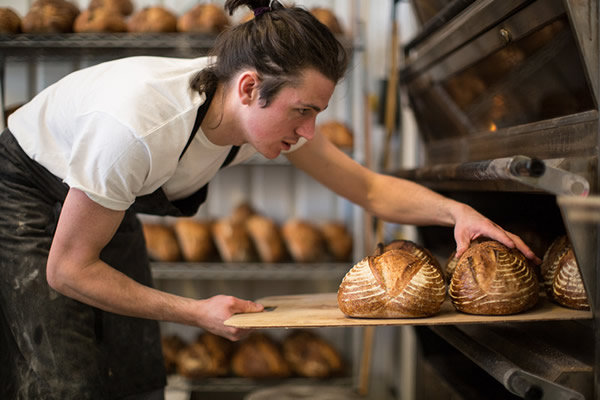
203	18
232	240
161	242
338	240
266	237
491	279
10	22
561	276
395	284
152	19
303	239
208	356
311	356
50	16
123	7
171	346
327	18
195	239
259	356
408	245
99	20
338	133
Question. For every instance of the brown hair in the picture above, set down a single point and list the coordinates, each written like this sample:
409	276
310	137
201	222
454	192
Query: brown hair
279	43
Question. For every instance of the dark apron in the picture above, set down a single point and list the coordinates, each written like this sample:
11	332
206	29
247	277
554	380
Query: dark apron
54	347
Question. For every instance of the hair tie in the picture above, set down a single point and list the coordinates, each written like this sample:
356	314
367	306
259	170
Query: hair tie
261	10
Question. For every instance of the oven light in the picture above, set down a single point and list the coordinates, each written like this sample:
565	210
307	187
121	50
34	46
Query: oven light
493	127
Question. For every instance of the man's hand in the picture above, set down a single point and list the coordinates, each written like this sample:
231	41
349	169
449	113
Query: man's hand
217	309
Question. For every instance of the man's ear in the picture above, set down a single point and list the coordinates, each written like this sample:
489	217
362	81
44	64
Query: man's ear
247	87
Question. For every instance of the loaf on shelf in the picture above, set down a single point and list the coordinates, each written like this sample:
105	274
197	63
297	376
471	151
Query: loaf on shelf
311	356
172	345
99	20
10	21
259	356
304	240
195	239
203	18
266	237
50	16
328	18
208	356
338	133
394	284
232	240
154	19
338	240
561	276
122	7
492	279
161	242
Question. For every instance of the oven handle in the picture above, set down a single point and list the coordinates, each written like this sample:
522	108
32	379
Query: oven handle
529	171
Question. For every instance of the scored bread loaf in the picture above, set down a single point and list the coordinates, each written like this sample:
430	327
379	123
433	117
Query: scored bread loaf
208	356
99	20
171	346
311	356
337	133
195	239
161	242
50	16
303	239
266	237
561	276
122	7
232	240
152	19
337	240
203	18
395	284
10	22
491	279
259	356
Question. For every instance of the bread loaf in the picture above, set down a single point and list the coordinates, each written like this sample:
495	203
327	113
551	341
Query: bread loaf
395	284
303	240
161	242
311	356
337	240
411	247
561	276
50	16
232	240
491	279
337	133
208	356
99	20
10	22
195	239
259	356
266	237
171	346
203	18
122	7
327	18
152	19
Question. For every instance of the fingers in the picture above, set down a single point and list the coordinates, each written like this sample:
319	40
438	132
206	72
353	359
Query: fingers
246	306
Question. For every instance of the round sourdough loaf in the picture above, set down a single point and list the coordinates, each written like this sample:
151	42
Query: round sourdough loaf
561	276
395	284
491	279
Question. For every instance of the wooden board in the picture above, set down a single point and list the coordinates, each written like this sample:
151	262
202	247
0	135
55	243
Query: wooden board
321	310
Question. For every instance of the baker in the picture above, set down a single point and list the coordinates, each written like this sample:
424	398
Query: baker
147	134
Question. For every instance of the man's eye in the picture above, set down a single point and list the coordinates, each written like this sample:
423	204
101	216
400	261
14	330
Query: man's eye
303	111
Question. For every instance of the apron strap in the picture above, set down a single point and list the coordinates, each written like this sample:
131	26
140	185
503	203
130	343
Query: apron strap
202	110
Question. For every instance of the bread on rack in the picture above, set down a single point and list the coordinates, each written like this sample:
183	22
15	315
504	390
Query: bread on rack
195	239
232	240
154	19
561	276
10	22
338	240
328	18
492	279
171	346
266	237
259	356
99	20
408	245
208	356
122	7
161	242
311	356
395	284
303	240
203	18
338	133
50	16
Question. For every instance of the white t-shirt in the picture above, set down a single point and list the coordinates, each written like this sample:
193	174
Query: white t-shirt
116	130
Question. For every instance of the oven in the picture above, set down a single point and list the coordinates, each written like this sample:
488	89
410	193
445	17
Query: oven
505	96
